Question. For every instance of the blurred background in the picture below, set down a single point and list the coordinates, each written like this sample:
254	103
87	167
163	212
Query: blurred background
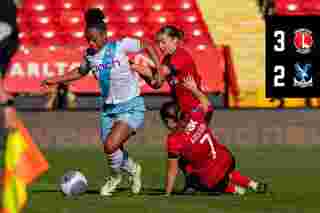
227	42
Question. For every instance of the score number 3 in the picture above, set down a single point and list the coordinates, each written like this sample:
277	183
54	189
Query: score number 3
280	45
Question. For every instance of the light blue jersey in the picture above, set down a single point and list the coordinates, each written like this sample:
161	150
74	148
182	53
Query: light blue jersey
119	85
118	82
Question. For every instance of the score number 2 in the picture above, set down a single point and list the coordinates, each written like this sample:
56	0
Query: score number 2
280	45
279	71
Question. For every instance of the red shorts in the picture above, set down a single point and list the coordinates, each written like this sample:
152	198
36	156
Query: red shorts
217	170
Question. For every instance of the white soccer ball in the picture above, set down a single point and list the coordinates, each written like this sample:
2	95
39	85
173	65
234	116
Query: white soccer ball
73	183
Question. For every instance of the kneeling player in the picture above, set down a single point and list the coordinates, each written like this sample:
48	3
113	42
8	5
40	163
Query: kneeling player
211	165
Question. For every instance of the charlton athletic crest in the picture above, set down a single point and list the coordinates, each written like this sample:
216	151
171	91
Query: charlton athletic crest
303	40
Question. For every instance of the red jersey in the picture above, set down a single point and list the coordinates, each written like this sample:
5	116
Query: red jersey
208	159
181	65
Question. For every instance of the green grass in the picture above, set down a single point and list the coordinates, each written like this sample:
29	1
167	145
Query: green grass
293	172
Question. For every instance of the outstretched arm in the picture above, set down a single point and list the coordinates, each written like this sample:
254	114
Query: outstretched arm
74	74
152	76
190	84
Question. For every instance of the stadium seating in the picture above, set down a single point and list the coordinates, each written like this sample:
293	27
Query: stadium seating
297	7
47	25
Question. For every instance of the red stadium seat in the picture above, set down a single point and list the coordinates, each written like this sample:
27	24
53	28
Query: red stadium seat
71	18
135	30
113	30
38	5
75	38
188	17
128	5
288	7
22	16
105	5
50	38
160	18
311	7
132	17
183	5
69	4
155	5
200	43
193	29
114	17
25	38
42	19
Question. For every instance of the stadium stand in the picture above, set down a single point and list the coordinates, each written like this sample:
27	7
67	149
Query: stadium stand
297	7
51	33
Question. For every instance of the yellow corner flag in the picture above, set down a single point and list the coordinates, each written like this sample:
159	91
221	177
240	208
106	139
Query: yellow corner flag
23	163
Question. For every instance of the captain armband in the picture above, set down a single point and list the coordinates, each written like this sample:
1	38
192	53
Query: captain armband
84	68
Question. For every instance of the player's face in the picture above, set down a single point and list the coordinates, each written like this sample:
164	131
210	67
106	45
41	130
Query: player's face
171	123
171	119
166	43
96	38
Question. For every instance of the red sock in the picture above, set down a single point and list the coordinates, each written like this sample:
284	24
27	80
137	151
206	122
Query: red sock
231	188
238	179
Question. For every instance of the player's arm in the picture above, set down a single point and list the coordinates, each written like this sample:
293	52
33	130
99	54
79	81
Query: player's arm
151	52
73	75
153	77
172	171
190	84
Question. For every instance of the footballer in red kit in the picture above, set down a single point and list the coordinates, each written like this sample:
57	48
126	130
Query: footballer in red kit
181	65
177	64
210	164
195	143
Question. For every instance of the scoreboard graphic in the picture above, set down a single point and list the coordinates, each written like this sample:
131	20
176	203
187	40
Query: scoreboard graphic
292	57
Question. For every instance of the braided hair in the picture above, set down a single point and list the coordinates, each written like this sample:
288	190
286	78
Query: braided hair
94	18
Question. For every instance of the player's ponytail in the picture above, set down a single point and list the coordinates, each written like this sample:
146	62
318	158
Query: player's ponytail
94	18
171	31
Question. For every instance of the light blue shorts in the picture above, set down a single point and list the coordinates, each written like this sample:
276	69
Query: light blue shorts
131	112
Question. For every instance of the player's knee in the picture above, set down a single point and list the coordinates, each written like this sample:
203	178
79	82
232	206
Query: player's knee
110	147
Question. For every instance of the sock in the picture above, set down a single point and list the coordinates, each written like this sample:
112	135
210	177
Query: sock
253	185
115	160
231	188
238	179
128	164
234	189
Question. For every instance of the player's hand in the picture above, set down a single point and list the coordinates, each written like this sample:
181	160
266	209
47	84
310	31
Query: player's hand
190	83
164	70
47	83
142	70
10	118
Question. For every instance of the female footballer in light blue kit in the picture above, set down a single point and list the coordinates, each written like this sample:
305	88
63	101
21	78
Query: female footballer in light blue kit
123	107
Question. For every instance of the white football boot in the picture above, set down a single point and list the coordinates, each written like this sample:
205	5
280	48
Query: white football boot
135	178
110	186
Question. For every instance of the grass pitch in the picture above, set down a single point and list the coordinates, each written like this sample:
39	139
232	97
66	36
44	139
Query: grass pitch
292	171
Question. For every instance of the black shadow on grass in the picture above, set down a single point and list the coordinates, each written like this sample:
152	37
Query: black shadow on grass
145	191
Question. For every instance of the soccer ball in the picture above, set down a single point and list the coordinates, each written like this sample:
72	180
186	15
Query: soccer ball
73	183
